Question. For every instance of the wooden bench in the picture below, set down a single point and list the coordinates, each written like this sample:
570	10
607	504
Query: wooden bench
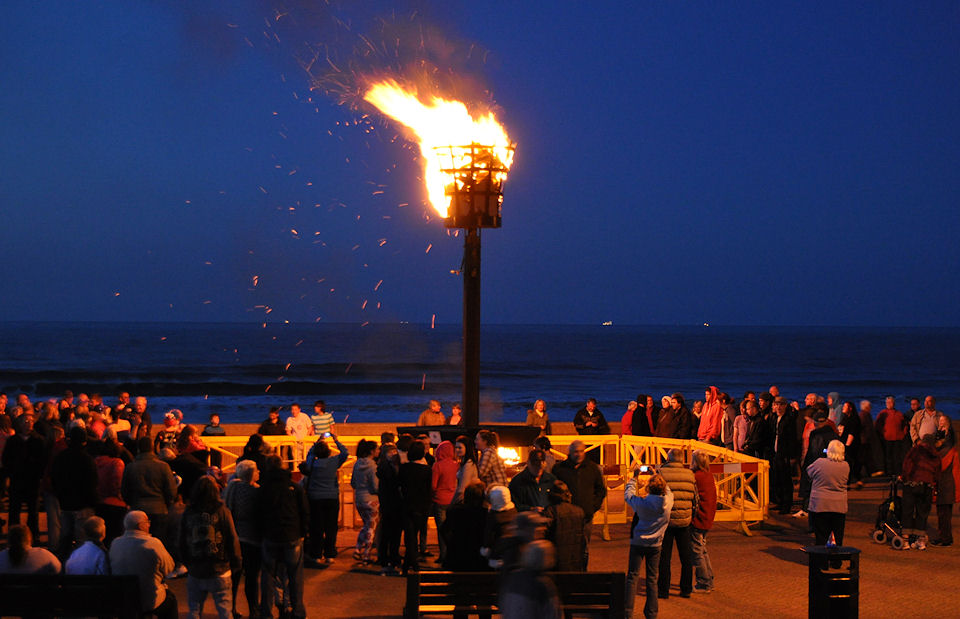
475	593
59	595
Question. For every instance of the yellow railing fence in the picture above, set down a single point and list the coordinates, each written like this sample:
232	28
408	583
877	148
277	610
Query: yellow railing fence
742	481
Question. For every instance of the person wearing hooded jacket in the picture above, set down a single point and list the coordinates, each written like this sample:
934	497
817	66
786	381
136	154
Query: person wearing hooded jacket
364	483
711	417
683	484
444	487
835	407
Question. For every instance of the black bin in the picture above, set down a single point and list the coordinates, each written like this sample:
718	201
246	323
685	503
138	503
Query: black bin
834	586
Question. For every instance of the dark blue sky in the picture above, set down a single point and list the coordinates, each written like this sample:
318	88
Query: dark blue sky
758	163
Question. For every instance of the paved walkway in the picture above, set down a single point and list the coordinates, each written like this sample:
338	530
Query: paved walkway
760	576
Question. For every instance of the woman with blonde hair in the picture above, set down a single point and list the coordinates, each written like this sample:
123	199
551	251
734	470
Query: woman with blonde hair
537	417
828	494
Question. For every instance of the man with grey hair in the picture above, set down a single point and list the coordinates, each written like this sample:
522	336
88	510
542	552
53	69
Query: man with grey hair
585	481
138	553
90	557
925	421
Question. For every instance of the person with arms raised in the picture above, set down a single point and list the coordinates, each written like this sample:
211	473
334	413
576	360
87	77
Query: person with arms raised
323	491
652	503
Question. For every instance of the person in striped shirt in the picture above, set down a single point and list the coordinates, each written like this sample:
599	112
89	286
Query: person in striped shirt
322	420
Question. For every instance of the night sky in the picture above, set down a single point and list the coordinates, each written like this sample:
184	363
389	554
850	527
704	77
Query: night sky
774	163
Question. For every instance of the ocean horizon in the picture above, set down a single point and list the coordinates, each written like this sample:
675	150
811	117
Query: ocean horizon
386	372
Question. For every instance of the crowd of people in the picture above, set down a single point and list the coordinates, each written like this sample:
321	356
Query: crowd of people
122	496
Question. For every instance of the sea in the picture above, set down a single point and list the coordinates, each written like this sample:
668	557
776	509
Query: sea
388	372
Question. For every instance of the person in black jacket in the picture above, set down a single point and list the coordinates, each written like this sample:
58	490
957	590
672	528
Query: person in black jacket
675	421
585	480
850	430
210	549
756	431
820	437
284	517
416	492
74	477
463	531
23	464
391	509
589	419
644	418
786	447
565	528
272	426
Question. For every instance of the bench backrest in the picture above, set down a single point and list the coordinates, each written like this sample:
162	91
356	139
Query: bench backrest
63	595
587	591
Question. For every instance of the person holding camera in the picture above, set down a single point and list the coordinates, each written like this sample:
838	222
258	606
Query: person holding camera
651	501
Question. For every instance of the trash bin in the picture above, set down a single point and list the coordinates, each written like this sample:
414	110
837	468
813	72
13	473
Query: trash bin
834	586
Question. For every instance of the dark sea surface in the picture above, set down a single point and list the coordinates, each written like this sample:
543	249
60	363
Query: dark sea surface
388	372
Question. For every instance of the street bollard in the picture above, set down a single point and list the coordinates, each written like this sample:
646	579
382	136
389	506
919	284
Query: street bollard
834	582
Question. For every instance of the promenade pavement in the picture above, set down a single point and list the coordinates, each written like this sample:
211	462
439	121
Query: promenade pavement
764	575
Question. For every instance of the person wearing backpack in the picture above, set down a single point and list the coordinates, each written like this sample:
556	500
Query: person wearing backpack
210	549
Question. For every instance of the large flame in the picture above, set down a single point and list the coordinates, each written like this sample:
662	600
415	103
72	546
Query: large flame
510	456
441	122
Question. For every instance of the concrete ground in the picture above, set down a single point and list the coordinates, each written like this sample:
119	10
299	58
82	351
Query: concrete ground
760	576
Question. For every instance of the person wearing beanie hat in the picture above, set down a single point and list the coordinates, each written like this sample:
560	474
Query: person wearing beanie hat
500	499
502	514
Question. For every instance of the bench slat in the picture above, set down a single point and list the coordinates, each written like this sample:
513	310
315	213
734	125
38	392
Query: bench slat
473	592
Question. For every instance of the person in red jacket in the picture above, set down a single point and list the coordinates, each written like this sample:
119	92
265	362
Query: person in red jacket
444	486
711	417
921	471
892	428
703	521
626	422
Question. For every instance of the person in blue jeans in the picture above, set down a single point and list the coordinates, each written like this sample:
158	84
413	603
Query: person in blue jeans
210	549
283	515
651	501
703	521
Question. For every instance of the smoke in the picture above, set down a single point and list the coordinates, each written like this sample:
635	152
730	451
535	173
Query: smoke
342	47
